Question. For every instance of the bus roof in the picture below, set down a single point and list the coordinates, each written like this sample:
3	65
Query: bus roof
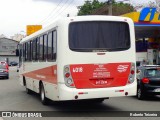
76	18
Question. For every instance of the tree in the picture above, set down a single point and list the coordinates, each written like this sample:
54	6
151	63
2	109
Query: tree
89	7
102	8
149	4
120	8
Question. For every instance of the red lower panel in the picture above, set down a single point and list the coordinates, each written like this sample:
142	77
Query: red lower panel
100	75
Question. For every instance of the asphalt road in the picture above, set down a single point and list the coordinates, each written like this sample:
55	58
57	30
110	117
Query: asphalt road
13	97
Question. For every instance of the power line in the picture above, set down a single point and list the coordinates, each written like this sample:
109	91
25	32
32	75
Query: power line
58	8
66	2
63	9
51	12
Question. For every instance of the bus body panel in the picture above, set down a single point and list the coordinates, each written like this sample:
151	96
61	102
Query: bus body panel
70	93
55	87
51	91
100	75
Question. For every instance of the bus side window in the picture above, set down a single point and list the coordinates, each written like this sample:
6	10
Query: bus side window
50	46
34	50
26	51
23	54
29	51
54	45
41	48
37	49
45	46
20	54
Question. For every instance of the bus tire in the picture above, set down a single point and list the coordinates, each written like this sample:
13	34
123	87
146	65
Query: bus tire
7	77
28	91
140	94
42	95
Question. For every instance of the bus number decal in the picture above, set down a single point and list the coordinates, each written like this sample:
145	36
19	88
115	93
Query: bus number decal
78	69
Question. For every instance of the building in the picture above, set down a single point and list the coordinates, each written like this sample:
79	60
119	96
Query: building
8	49
147	33
147	29
17	37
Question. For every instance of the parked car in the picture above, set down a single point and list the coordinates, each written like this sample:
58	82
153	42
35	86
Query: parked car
148	81
13	63
4	63
4	72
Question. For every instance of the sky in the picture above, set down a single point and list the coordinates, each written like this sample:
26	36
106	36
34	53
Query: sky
16	14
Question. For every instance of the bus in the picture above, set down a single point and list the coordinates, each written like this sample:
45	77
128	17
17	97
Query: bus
80	58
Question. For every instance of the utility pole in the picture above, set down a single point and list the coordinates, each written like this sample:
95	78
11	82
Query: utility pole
110	7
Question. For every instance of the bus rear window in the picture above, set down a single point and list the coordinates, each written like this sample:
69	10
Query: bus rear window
93	36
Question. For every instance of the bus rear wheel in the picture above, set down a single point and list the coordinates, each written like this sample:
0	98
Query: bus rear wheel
28	91
42	95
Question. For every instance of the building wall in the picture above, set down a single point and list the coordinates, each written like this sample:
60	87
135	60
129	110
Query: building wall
8	46
17	37
8	49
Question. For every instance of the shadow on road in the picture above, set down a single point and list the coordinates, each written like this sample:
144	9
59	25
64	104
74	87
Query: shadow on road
2	78
149	98
82	105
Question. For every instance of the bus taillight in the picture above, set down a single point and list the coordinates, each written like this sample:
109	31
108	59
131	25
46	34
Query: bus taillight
132	74
67	77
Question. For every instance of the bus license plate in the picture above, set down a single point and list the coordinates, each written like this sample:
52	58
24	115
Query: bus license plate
101	82
157	90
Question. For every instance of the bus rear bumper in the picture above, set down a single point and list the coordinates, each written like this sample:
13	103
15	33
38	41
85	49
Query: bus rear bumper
66	93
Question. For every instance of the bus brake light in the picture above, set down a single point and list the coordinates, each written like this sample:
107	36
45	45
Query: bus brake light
67	75
132	72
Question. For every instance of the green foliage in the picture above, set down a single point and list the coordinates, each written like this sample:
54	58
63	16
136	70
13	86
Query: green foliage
124	6
89	6
118	7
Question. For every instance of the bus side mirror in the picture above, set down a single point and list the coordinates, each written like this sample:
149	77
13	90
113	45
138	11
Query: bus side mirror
17	52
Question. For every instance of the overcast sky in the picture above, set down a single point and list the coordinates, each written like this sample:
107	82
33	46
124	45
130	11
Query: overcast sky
16	14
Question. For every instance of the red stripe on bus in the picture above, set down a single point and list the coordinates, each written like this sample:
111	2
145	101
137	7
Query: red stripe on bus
48	74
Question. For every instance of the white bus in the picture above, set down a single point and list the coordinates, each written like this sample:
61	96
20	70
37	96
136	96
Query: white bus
77	58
